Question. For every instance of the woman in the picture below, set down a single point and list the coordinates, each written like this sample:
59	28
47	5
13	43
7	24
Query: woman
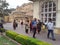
15	24
39	26
26	26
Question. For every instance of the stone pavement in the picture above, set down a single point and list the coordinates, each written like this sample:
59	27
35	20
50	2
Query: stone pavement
42	36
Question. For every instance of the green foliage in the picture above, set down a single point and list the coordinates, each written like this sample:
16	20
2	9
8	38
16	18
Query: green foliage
22	39
6	41
2	30
25	40
11	34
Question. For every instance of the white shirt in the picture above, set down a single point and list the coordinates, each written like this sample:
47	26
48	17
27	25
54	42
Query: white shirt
26	25
46	23
50	26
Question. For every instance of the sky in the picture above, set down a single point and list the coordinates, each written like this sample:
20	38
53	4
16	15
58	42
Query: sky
15	3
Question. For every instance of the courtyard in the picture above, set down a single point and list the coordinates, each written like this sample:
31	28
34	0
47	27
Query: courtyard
42	36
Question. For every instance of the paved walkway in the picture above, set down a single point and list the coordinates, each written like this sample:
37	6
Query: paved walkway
42	36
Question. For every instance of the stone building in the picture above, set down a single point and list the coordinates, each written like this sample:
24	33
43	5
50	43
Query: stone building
22	12
45	9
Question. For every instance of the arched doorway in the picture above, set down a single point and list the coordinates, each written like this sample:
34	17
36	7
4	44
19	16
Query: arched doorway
48	11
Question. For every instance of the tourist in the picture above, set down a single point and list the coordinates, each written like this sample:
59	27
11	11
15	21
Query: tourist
22	23
34	26
39	25
26	26
45	24
31	26
15	24
50	28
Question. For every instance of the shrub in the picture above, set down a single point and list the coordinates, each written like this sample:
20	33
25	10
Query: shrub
11	34
2	30
21	39
25	40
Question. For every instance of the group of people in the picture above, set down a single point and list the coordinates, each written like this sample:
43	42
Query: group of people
35	25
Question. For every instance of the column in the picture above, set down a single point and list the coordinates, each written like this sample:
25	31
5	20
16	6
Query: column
58	15
36	10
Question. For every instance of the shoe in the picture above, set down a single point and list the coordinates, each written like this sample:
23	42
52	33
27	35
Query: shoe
34	37
54	39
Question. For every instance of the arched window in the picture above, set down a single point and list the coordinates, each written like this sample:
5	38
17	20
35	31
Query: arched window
48	11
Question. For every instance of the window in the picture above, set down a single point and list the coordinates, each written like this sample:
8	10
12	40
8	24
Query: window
54	15
50	15
50	5
54	19
45	15
46	6
54	5
49	9
54	9
45	10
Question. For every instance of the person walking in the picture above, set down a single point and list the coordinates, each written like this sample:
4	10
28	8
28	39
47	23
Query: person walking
15	24
45	24
31	26
50	28
26	26
34	26
22	22
39	24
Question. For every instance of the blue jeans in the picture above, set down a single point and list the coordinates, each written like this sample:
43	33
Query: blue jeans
52	34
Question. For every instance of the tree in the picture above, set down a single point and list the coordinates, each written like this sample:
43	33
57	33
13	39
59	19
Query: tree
7	11
4	5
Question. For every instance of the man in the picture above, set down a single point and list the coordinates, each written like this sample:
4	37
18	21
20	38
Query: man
50	27
34	25
39	24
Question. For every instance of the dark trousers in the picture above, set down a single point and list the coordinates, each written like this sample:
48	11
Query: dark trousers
26	30
14	27
30	29
52	34
34	32
39	29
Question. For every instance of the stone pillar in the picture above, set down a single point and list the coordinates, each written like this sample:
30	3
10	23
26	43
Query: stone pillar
58	15
57	30
36	10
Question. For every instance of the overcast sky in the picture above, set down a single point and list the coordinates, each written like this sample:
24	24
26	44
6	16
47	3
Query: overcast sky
14	3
